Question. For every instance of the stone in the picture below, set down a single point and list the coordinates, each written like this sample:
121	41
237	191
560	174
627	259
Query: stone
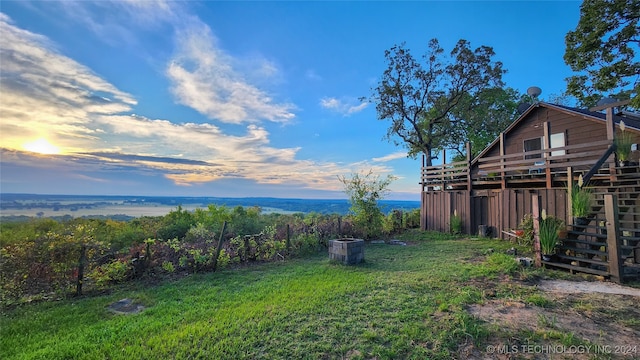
125	306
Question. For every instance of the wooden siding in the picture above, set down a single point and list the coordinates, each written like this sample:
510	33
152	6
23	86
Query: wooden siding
577	130
439	206
499	210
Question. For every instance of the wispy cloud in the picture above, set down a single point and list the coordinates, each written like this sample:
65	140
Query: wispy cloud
393	156
203	78
346	107
45	92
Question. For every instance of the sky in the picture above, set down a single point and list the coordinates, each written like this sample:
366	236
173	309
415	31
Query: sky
233	98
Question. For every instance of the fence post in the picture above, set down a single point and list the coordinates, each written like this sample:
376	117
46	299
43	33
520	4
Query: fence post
147	255
613	229
535	209
81	261
215	261
288	239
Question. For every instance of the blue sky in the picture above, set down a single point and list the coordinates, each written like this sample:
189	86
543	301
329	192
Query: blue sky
232	98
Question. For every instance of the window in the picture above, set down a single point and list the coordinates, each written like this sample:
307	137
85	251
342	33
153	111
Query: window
557	140
534	144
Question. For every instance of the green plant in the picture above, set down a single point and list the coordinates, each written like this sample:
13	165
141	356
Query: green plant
456	223
548	233
580	201
168	266
113	272
623	141
526	224
364	191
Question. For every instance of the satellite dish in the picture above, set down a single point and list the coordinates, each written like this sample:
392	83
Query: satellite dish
605	101
522	107
534	91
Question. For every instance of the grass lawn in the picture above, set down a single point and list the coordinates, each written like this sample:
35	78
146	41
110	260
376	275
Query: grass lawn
404	302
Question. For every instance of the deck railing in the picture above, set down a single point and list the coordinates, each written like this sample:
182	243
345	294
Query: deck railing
535	166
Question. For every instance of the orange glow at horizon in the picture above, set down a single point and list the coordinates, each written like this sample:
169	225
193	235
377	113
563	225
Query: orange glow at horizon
41	146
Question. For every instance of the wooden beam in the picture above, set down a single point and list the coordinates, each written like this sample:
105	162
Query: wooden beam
469	182
569	195
444	158
613	230
536	212
547	146
503	181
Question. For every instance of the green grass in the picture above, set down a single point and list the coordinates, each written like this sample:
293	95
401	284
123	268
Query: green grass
404	302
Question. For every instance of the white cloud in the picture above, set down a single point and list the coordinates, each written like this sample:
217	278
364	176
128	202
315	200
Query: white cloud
390	157
47	93
203	78
346	107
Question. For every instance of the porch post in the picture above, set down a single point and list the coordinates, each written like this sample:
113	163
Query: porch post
502	174
469	182
569	195
444	157
611	135
535	211
613	229
547	153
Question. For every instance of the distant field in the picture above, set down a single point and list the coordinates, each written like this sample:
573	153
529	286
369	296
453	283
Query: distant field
116	209
136	210
32	205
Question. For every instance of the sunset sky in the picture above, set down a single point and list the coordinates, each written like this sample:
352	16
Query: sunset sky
232	99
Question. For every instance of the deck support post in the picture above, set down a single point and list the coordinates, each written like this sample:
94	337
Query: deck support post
503	182
536	212
613	230
569	195
547	153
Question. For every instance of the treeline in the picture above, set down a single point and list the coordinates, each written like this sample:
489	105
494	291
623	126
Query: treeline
45	258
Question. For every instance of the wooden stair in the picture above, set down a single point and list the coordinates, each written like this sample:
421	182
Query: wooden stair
585	248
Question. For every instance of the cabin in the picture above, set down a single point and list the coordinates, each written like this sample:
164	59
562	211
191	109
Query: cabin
535	164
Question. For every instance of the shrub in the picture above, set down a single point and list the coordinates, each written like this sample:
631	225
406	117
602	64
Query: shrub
168	266
456	223
549	227
526	224
580	200
112	272
364	190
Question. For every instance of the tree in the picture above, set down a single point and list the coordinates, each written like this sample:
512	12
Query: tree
364	191
603	48
481	118
419	98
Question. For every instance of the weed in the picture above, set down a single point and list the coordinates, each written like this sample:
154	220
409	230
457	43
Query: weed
538	300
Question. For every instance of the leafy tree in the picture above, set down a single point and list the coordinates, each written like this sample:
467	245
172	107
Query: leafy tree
481	118
603	49
419	98
246	221
212	217
176	224
364	191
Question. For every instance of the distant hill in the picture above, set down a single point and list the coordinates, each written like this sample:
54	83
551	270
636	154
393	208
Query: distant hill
74	203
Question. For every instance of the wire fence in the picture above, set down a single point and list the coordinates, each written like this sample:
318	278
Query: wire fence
72	262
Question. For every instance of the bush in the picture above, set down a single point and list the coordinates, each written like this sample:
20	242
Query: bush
364	191
110	273
549	227
456	223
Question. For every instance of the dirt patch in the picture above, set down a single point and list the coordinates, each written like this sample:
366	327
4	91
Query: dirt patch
602	314
573	287
125	307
